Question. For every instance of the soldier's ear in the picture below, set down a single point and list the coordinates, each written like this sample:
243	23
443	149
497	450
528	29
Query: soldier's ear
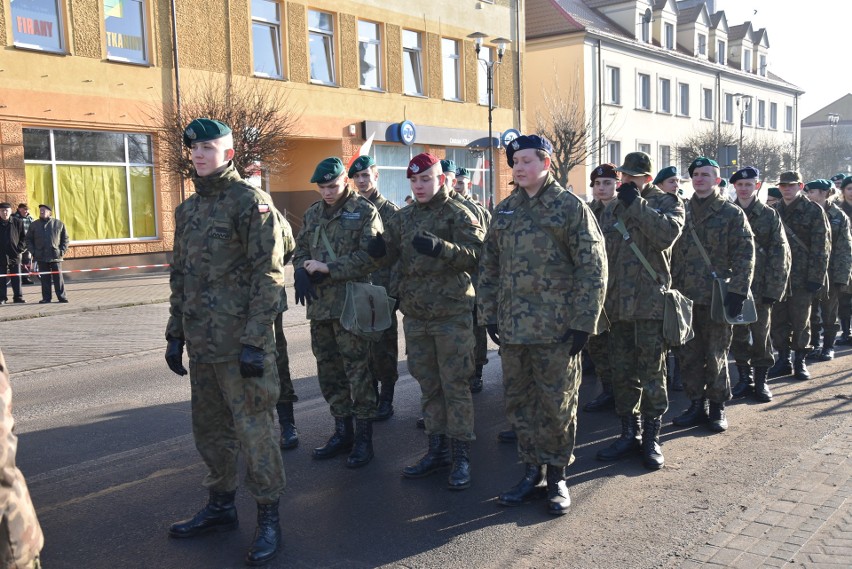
229	154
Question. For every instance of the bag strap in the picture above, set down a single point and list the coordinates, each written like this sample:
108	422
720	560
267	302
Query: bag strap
619	225
702	251
793	235
322	234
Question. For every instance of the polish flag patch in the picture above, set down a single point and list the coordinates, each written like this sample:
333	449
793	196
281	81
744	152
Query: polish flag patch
263	208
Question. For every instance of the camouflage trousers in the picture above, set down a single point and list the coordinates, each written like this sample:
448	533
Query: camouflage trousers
845	305
790	328
480	336
282	361
384	355
751	345
343	370
824	311
638	360
704	359
541	383
599	352
229	413
439	358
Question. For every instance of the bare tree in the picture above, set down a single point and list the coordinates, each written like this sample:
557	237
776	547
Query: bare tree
258	112
763	152
825	154
710	143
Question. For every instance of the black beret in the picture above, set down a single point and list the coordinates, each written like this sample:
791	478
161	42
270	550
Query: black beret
747	173
823	185
665	174
527	141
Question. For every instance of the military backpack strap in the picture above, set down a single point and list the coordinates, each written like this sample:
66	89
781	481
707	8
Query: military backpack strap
619	225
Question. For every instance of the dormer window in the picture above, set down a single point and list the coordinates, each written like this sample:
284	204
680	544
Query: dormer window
702	44
747	60
721	52
669	36
646	26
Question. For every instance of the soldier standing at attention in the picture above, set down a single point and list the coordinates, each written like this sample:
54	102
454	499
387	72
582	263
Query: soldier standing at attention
286	419
226	280
723	232
331	249
384	354
810	244
542	283
652	220
435	244
845	308
751	346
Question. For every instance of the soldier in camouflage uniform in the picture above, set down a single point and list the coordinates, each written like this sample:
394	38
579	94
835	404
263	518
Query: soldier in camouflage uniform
384	353
435	244
331	249
22	536
826	305
810	244
845	308
751	345
287	421
653	221
724	233
226	281
542	283
604	179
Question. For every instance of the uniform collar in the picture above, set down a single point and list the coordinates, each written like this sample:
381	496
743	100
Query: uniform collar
439	199
217	182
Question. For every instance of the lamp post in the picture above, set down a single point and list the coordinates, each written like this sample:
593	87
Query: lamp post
833	121
743	104
489	63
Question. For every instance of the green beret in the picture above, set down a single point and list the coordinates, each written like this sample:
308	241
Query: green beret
823	185
463	173
448	166
846	181
774	192
700	162
665	174
202	130
329	169
361	163
723	183
838	177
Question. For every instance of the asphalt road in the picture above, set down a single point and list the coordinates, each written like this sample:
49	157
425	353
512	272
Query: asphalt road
106	445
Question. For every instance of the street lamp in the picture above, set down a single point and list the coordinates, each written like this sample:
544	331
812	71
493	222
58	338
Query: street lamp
743	104
478	38
833	121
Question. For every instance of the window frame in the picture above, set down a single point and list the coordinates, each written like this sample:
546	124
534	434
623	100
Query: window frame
773	116
419	53
277	26
613	83
456	58
707	110
681	99
761	113
614	145
669	35
377	43
664	92
144	30
60	32
729	108
702	45
643	91
762	62
665	152
789	119
328	41
747	55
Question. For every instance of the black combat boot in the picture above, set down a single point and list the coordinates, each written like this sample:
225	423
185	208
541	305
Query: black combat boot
746	383
289	434
800	369
827	352
845	332
695	415
603	402
341	441
558	499
507	436
219	514
436	458
718	421
814	352
783	365
531	484
385	409
459	478
362	450
628	443
652	454
476	381
761	390
267	536
675	380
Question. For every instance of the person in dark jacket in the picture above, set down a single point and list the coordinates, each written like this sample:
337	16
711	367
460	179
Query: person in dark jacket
12	244
47	240
23	214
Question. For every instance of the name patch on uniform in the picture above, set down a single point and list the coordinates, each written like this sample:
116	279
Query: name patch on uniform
351	215
263	208
506	212
220	233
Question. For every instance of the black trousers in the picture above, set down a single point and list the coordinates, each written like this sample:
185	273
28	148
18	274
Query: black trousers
56	279
11	266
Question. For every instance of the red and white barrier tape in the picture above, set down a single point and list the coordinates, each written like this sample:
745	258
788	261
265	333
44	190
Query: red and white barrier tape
84	270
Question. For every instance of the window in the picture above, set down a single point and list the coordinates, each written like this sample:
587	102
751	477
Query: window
124	24
762	68
702	44
477	163
761	114
451	59
100	183
665	96
321	45
646	148
707	112
729	107
788	118
482	75
683	109
614	151
412	50
747	60
369	54
669	36
614	91
644	92
392	161
721	52
37	24
665	156
747	117
773	116
266	38
646	26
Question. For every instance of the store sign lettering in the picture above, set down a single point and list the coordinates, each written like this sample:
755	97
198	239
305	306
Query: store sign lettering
124	41
34	27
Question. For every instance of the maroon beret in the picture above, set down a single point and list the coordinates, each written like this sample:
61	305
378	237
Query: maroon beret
420	163
604	171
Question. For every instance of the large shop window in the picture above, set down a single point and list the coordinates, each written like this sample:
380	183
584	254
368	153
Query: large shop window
124	24
37	24
101	184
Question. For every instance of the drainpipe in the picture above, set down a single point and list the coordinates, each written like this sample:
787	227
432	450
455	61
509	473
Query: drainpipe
518	82
177	80
600	104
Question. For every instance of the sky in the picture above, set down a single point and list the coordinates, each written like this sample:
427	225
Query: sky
807	46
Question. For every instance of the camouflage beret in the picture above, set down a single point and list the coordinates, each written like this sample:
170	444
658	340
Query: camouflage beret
747	173
823	185
525	142
700	162
846	181
202	130
448	167
462	173
838	177
603	171
329	169
665	174
420	163
790	177
774	192
636	164
360	163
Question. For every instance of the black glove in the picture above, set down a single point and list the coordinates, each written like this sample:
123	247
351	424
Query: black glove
317	277
493	333
734	303
396	305
768	301
174	355
251	361
427	243
304	287
377	248
813	287
628	193
580	339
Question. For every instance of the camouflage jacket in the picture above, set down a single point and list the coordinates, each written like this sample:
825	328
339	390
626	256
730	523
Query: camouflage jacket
484	217
289	246
723	230
431	288
349	229
227	269
809	238
543	269
653	221
772	252
846	207
598	207
386	209
840	261
22	535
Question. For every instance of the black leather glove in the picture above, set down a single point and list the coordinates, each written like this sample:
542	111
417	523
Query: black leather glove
251	361
174	355
377	248
628	193
427	243
813	287
580	339
493	333
734	303
768	301
304	287
317	277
